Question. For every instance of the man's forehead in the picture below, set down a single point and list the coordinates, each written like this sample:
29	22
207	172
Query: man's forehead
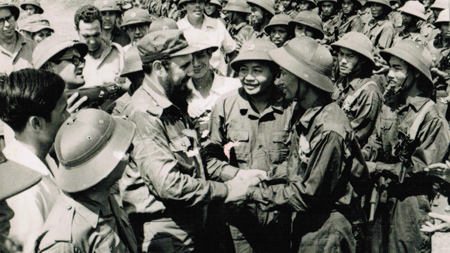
4	12
182	59
89	27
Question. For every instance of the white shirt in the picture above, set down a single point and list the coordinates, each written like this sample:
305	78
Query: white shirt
32	206
218	34
198	106
105	69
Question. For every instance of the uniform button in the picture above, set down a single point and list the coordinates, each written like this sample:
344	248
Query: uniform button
260	146
69	207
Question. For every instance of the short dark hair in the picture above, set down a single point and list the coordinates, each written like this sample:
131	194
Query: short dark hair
26	93
88	14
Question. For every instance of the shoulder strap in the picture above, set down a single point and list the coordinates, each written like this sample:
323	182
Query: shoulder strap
414	129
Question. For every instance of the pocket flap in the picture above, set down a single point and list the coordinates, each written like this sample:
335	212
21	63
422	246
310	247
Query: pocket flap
239	136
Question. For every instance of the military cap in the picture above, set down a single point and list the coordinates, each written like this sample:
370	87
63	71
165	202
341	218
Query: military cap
38	26
308	60
253	50
163	44
53	45
277	20
356	42
35	4
132	62
108	5
14	9
163	24
237	6
89	146
310	19
268	5
136	16
414	8
413	53
28	22
440	4
15	178
319	2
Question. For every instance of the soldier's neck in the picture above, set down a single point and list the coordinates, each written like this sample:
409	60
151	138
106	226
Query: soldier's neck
204	84
107	34
96	54
309	100
36	147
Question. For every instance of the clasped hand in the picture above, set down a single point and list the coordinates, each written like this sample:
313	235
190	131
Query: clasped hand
238	186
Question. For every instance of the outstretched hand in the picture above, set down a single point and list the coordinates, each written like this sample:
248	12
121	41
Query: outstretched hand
442	227
237	187
440	170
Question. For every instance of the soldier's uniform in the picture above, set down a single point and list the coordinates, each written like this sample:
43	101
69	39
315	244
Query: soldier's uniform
357	94
319	162
86	217
381	32
416	10
118	35
264	141
86	226
343	24
406	141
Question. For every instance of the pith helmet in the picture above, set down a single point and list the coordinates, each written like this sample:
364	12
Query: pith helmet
217	3
277	20
136	16
443	17
132	61
237	6
310	19
201	40
15	178
14	9
181	2
440	4
413	53
52	45
382	2
253	50
414	8
108	5
35	4
26	23
268	5
308	60
313	2
357	42
162	24
89	146
319	2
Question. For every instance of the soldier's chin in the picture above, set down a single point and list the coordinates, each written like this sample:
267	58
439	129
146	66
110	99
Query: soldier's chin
392	99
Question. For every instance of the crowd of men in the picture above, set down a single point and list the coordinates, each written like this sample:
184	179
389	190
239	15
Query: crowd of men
225	126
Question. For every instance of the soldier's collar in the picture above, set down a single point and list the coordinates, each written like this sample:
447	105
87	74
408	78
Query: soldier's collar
417	102
309	115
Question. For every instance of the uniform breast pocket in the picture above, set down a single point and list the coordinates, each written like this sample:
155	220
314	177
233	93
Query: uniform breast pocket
243	149
182	149
279	147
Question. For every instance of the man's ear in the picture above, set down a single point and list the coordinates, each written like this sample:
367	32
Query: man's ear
158	68
36	123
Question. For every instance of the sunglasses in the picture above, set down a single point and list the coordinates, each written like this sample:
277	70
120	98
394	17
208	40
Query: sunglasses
75	60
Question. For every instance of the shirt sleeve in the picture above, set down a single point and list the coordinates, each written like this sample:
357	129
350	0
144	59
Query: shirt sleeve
218	170
163	172
367	109
320	185
386	38
356	25
228	44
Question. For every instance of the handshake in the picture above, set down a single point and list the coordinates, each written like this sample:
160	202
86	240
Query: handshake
238	186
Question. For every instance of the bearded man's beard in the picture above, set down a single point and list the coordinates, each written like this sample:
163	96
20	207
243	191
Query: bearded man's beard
178	94
392	98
